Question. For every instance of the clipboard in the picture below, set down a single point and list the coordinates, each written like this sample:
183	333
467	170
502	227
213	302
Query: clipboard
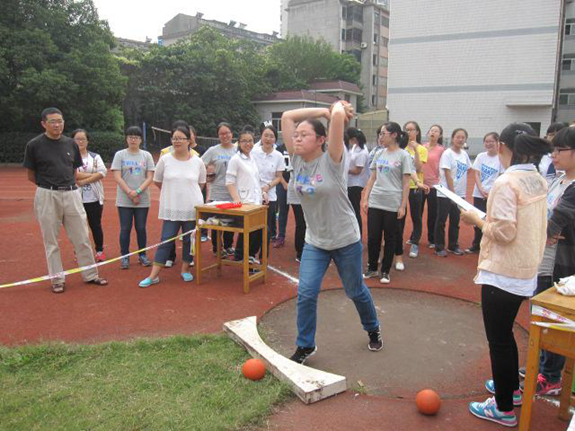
462	203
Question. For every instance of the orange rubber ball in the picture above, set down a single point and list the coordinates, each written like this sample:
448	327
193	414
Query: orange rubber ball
254	369
428	402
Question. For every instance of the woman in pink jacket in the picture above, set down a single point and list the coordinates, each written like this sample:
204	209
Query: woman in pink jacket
514	236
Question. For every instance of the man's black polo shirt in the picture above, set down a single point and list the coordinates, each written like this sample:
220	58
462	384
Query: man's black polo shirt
53	161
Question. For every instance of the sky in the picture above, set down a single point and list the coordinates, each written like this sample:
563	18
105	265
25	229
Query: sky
137	19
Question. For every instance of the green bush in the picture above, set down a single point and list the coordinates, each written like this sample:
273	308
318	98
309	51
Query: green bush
13	144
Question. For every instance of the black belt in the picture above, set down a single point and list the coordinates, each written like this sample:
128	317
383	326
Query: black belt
60	189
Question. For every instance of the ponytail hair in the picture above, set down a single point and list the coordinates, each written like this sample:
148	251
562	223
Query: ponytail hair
402	137
524	143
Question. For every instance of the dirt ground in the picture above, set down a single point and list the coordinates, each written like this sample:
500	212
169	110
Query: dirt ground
410	320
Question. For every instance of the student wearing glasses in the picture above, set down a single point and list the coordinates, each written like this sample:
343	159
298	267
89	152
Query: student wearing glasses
180	176
332	228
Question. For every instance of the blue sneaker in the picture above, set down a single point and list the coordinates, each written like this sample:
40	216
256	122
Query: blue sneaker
147	282
186	276
414	252
517	397
488	410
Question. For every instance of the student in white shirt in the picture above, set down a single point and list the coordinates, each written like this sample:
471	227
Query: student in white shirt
487	168
358	172
271	165
180	176
453	167
243	184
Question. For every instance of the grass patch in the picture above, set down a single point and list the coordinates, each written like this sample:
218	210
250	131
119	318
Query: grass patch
177	383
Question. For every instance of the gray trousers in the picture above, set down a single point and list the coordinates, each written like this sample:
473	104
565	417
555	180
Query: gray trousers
53	209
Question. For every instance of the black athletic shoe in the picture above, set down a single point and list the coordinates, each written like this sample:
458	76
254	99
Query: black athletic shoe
522	372
375	342
302	353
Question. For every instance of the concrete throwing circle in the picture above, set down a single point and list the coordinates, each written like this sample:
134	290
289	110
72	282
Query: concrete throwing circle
430	341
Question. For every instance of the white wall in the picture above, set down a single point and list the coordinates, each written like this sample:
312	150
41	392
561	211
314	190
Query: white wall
477	65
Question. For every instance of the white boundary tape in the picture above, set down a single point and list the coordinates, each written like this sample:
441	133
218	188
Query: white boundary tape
84	268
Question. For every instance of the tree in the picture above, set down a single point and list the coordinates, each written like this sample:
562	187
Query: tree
297	61
204	79
58	53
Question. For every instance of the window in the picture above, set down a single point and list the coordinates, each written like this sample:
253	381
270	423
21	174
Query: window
358	14
385	21
567	97
535	126
347	98
570	26
277	120
383	61
384	41
357	35
376	19
564	99
375	59
568	63
375	38
374	80
356	53
343	12
374	100
343	34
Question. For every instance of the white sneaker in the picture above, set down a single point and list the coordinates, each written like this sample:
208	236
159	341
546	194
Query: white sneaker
192	263
169	264
399	266
385	278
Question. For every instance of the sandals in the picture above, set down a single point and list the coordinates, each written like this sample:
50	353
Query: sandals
58	288
98	281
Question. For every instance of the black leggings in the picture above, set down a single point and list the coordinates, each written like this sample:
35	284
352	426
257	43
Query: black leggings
479	203
446	207
415	210
300	228
499	311
94	214
378	222
354	195
431	199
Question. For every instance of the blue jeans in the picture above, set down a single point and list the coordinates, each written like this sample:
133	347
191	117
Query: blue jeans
169	230
314	264
128	215
283	210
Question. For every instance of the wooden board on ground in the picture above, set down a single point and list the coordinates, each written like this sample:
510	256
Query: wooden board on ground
309	384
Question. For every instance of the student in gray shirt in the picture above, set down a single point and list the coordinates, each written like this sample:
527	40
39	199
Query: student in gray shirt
332	228
385	198
133	172
216	160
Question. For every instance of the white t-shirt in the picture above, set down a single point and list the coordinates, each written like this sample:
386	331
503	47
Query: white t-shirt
268	166
180	187
243	172
490	168
358	158
458	164
92	164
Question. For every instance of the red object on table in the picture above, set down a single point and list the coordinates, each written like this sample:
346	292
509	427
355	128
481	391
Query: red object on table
229	205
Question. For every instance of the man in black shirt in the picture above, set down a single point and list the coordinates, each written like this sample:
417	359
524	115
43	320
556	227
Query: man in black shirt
52	160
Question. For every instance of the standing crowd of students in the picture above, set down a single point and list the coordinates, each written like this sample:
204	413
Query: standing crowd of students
523	183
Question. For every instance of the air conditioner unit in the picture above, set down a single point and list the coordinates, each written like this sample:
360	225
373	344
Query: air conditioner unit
363	45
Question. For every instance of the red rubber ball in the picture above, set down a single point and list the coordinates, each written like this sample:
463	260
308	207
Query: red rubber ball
428	402
254	369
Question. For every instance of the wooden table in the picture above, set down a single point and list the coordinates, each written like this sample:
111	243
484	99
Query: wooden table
247	218
554	340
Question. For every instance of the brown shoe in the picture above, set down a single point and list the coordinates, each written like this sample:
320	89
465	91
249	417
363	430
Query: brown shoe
58	288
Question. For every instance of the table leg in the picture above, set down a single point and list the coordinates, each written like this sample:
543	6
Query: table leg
246	261
197	257
530	377
218	250
566	390
265	251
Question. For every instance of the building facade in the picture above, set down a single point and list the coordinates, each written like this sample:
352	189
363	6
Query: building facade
480	66
358	27
183	25
566	99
